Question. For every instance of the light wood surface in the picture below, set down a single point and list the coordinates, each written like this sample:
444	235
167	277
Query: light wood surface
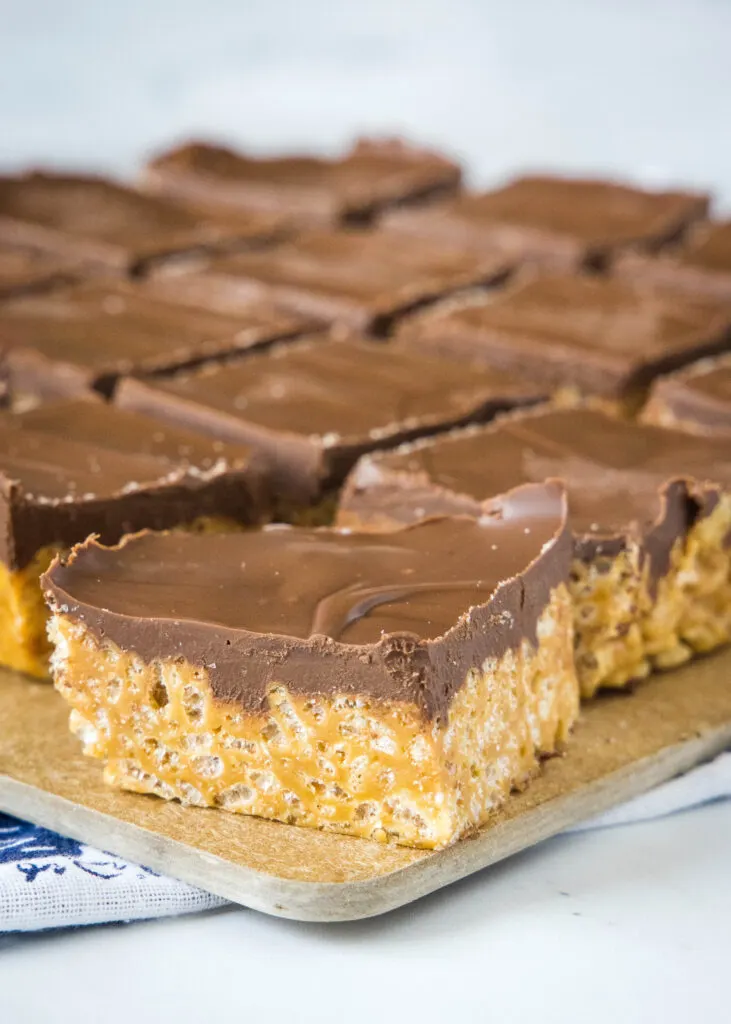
624	744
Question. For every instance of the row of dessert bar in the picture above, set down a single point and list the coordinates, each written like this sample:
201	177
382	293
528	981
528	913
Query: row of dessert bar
100	281
396	676
195	437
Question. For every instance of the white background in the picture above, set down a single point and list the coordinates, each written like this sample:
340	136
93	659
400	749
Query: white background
625	925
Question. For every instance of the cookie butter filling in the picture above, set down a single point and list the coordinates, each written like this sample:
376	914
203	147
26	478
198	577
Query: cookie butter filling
392	687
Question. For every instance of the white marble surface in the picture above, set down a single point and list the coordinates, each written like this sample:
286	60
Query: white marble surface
627	924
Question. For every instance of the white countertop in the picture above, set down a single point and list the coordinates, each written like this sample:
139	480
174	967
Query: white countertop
630	924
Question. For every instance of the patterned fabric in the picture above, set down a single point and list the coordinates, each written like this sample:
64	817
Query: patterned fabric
47	881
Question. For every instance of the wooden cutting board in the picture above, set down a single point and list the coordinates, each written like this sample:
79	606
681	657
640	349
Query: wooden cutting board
624	744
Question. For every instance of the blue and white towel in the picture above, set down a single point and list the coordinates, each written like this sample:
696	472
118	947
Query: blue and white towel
47	881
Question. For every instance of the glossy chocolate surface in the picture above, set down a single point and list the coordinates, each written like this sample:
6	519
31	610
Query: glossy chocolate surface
89	335
314	406
699	397
402	616
365	280
374	174
624	480
69	469
102	222
559	222
601	335
702	264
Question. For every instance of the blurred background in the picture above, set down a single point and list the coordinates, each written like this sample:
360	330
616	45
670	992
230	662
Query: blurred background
636	89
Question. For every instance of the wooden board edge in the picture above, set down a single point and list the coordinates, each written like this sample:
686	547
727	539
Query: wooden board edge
351	901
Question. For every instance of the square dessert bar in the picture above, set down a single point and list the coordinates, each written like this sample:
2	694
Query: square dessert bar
696	399
104	223
87	336
392	687
373	175
24	270
650	511
563	223
312	407
597	335
72	469
363	280
702	264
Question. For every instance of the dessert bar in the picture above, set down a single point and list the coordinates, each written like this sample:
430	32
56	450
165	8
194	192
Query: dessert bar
702	264
696	399
88	336
25	270
103	223
72	469
312	407
650	510
363	280
373	175
397	689
563	223
598	335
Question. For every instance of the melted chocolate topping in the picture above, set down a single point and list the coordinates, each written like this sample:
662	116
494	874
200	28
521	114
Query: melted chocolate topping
376	173
100	221
624	480
25	271
88	336
700	395
399	616
364	280
314	406
702	264
604	336
75	468
560	222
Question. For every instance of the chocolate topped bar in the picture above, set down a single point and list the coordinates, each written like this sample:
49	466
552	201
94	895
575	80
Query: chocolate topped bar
373	175
565	223
398	688
650	513
90	335
446	585
314	406
101	222
600	335
74	468
25	270
617	474
702	264
92	421
696	399
365	280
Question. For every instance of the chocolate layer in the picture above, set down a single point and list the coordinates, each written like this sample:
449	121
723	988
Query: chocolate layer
373	175
25	271
88	336
701	265
402	617
603	336
698	398
102	222
365	280
625	481
313	407
563	223
74	468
